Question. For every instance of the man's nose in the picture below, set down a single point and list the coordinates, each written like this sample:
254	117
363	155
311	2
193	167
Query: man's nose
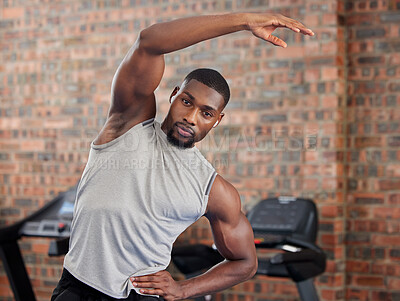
191	117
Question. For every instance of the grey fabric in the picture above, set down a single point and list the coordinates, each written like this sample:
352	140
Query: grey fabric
137	194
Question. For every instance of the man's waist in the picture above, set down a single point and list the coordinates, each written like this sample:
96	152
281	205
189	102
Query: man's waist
76	284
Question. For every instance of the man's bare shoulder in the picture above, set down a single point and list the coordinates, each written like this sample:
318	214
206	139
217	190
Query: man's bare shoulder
221	187
224	199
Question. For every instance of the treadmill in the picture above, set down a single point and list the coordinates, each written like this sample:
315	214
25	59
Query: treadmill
289	224
54	221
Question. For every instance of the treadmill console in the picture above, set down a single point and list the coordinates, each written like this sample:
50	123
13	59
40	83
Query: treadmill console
56	220
275	219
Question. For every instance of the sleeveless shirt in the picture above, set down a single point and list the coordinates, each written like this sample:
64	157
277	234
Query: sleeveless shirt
136	195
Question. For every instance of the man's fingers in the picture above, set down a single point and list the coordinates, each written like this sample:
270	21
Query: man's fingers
152	292
148	281
276	41
305	30
264	31
266	36
142	278
160	283
272	39
144	284
297	26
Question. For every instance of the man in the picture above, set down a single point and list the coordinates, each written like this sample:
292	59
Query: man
145	183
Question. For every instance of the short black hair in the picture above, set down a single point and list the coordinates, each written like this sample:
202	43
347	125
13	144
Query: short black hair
211	78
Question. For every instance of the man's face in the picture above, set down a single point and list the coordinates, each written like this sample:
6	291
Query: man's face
195	109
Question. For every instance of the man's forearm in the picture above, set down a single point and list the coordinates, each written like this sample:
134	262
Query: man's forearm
170	36
222	276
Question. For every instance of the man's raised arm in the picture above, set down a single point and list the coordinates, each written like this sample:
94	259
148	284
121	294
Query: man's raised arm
142	68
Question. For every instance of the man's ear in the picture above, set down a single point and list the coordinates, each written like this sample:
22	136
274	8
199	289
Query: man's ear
176	89
219	120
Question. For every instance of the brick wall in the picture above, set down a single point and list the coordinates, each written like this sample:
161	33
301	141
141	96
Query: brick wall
372	158
319	119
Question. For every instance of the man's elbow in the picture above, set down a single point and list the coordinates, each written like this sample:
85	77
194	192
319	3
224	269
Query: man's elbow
254	268
144	40
148	42
250	269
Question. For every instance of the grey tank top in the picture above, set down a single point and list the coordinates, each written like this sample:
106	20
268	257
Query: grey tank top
137	194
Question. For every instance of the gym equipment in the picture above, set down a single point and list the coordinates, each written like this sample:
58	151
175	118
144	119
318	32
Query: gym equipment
284	223
54	221
289	224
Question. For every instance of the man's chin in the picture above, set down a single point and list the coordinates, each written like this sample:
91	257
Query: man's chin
188	143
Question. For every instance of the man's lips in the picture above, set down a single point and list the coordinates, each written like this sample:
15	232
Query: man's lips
185	131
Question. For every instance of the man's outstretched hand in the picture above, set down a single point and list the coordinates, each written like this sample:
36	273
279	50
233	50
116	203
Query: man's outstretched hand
262	26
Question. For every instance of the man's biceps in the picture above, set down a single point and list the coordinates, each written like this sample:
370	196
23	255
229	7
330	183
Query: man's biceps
228	225
242	234
234	243
233	251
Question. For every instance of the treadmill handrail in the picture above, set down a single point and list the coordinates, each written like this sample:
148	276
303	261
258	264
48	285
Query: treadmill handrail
301	256
289	241
303	244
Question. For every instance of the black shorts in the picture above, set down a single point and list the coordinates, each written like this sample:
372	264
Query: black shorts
71	289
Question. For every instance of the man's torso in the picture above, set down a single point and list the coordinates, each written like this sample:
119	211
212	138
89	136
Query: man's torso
136	195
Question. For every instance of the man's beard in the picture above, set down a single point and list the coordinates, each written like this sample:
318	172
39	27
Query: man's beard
181	144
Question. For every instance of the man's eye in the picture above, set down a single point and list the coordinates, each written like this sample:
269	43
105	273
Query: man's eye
185	101
207	114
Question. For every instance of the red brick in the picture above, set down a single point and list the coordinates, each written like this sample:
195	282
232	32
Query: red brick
394	199
55	123
331	211
6	168
329	183
368	142
386	269
33	145
360	197
328	294
357	294
284	288
312	75
372	281
329	73
40	248
330	239
357	266
389	184
358	212
310	184
13	12
291	52
387	213
385	240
